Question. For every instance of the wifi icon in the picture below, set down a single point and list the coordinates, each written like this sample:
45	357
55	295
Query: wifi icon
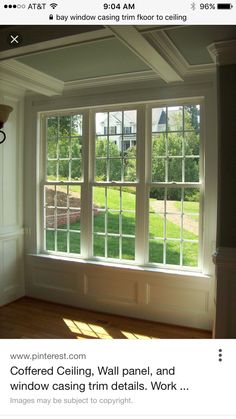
53	5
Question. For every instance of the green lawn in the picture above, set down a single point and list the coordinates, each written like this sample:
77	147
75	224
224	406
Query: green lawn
156	229
188	207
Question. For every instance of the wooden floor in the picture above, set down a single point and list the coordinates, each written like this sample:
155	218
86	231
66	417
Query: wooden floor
30	318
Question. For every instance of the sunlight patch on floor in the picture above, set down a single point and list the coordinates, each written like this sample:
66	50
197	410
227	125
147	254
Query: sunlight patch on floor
88	330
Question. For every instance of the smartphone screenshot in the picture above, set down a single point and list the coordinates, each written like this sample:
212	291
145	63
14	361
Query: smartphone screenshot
117	209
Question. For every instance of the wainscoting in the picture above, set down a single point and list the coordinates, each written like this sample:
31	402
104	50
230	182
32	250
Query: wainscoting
179	298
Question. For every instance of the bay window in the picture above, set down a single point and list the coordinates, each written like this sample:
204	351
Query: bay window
124	185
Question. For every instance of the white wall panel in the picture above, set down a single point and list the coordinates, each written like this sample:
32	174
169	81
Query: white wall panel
134	293
11	200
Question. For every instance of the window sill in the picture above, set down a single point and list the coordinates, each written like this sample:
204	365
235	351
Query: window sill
122	266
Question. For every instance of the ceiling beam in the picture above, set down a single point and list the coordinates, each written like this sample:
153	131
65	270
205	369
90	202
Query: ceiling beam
141	47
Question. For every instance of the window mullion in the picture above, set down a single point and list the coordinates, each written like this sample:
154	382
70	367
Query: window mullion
86	189
143	138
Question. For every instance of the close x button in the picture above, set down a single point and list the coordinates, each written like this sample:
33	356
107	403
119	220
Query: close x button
14	39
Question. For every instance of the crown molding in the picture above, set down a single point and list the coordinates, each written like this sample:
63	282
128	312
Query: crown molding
161	41
116	79
223	52
9	90
24	76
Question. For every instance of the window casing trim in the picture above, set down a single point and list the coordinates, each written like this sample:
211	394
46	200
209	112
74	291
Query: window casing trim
143	181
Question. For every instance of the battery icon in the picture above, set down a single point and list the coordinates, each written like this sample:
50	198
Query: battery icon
224	6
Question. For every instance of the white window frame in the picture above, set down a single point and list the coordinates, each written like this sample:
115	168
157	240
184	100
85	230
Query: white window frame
144	146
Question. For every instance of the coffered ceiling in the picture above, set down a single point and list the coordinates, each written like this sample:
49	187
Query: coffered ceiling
55	59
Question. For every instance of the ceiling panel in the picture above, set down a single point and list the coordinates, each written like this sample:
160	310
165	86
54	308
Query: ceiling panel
192	41
101	58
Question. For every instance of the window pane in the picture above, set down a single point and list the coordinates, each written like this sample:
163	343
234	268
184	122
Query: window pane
62	241
159	120
115	122
158	170
174	200
52	170
174	170
130	122
116	146
65	125
128	198
64	147
98	221
192	117
115	169
101	123
63	170
128	223
74	242
159	145
113	247
113	222
129	170
99	197
99	246
173	226
175	118
156	253
76	147
77	125
190	254
62	220
50	240
74	219
190	226
172	252
76	170
101	170
52	126
156	225
175	144
192	170
52	147
192	144
128	248
191	201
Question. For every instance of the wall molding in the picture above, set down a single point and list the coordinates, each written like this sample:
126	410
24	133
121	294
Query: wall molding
5	235
223	52
24	76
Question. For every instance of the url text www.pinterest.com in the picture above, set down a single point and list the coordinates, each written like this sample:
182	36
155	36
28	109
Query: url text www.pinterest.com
38	355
